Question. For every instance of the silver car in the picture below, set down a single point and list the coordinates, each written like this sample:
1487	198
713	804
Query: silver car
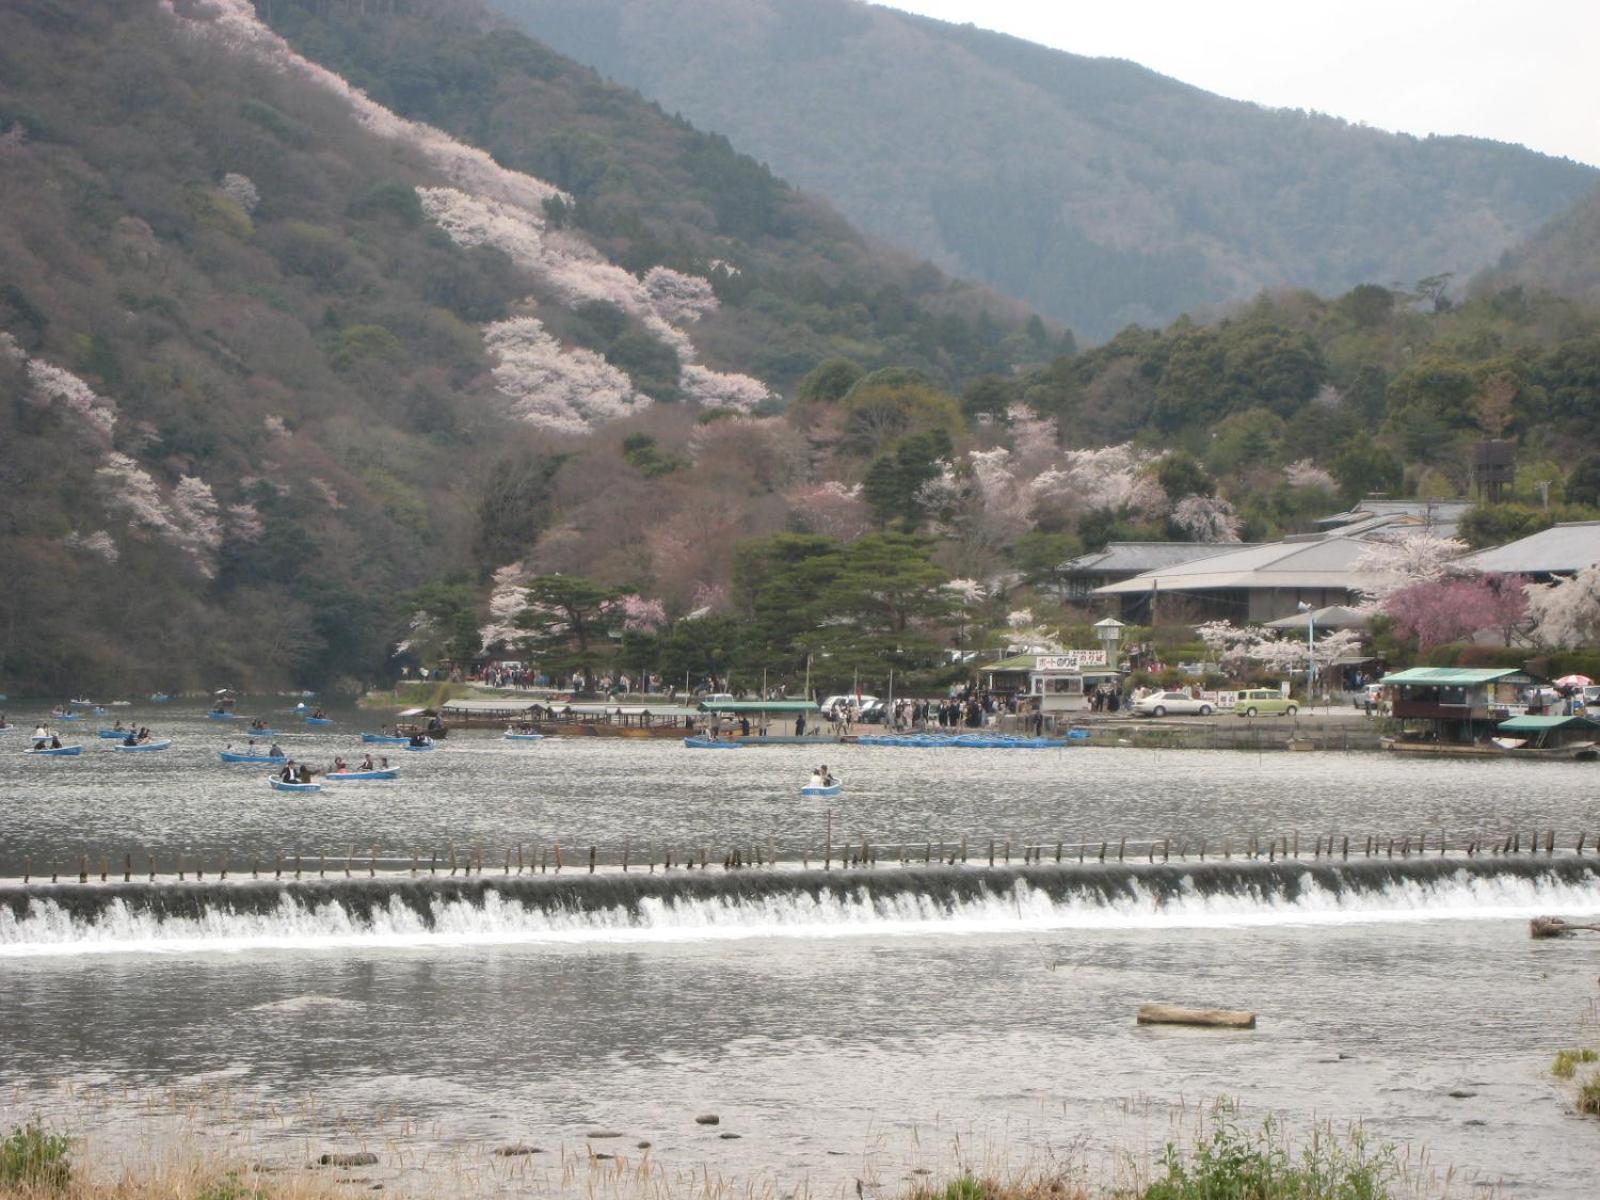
1159	704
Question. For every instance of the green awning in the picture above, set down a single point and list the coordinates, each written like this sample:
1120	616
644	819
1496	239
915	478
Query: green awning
759	706
1539	724
1450	676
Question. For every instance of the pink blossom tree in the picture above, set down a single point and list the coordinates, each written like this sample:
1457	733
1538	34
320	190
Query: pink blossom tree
1450	610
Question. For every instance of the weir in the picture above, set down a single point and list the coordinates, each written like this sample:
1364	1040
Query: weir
757	900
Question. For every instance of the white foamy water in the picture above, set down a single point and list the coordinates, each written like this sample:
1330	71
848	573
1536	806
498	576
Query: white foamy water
49	929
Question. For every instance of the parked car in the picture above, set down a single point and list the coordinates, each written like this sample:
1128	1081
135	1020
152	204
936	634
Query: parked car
1159	704
1263	702
1369	697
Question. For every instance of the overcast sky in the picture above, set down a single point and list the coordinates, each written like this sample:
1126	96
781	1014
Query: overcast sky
1524	72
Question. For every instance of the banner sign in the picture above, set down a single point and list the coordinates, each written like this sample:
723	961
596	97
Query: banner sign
1070	660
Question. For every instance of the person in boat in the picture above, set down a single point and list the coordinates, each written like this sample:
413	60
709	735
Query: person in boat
118	727
41	735
383	762
418	739
287	775
132	739
55	741
319	715
339	764
276	751
305	774
366	762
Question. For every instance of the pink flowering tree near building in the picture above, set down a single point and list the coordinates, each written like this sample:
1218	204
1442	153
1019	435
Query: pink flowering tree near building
1453	610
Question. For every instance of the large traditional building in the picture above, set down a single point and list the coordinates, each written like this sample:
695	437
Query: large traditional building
1560	550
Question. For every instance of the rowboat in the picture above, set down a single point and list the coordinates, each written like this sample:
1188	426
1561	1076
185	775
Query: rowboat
99	710
262	732
279	785
425	744
234	756
58	751
66	716
384	739
156	744
702	743
159	697
82	703
359	776
523	737
319	720
119	734
832	789
7	728
219	714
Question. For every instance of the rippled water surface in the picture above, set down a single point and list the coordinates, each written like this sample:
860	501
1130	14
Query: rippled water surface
859	1048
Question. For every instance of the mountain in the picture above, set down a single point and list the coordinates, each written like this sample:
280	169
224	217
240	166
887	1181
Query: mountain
1562	256
273	355
1095	190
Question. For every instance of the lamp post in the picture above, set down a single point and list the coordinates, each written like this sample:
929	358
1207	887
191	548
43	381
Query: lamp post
1311	652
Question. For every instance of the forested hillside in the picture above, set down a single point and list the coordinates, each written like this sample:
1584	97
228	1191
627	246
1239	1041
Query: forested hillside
1093	189
271	356
1563	256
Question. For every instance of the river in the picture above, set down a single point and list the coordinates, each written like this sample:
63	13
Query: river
848	1026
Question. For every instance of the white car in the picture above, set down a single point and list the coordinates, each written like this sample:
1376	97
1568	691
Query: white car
845	701
1160	704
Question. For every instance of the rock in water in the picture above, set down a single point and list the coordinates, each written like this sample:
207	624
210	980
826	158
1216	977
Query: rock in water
1215	1018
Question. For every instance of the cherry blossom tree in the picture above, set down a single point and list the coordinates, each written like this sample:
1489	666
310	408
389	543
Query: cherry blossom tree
1206	519
1418	556
568	391
1455	609
189	520
832	509
681	299
241	189
1566	612
715	389
639	615
99	543
1307	475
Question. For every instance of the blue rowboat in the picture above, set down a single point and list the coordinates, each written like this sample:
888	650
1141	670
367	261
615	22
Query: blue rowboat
217	714
385	739
234	756
700	743
319	720
524	737
279	785
425	744
359	776
832	789
155	744
119	734
66	716
58	752
159	697
98	711
7	728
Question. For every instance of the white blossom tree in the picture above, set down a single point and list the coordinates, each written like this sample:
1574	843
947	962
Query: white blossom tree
567	391
1206	519
1567	611
1418	556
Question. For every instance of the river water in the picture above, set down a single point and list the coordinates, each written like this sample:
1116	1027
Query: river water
861	1027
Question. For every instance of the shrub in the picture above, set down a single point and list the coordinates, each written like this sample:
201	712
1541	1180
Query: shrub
1567	1061
33	1158
1589	1096
1235	1165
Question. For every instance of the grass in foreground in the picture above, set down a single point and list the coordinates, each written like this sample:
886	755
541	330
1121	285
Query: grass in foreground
1230	1164
1567	1062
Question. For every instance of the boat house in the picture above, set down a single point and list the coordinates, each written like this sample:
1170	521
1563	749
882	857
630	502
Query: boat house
1457	705
1061	682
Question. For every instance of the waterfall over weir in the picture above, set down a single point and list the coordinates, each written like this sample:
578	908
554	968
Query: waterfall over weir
401	910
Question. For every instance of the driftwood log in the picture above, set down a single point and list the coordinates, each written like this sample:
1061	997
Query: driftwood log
1549	927
1215	1018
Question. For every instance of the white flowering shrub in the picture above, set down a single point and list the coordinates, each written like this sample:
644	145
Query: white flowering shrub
241	189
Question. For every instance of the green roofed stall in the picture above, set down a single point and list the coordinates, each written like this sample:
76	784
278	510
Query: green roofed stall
1449	676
